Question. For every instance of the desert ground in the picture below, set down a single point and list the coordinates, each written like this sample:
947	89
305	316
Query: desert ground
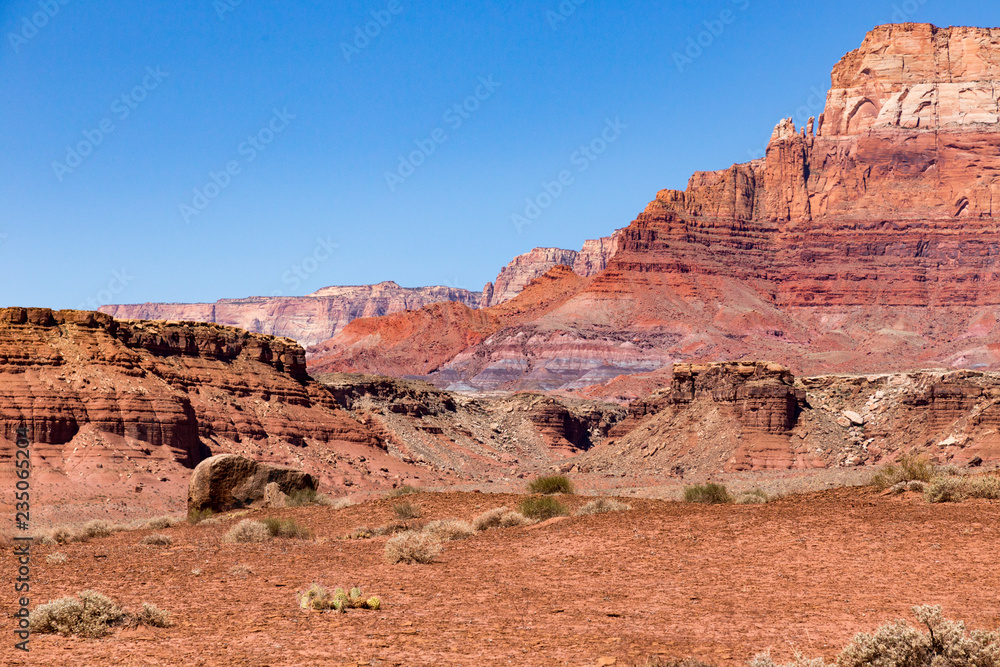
665	579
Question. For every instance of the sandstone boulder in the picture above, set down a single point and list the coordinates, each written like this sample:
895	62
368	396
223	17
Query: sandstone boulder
274	497
230	481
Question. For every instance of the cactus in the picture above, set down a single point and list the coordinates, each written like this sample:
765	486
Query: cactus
374	602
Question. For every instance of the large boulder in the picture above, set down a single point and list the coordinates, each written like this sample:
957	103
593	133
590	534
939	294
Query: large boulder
229	481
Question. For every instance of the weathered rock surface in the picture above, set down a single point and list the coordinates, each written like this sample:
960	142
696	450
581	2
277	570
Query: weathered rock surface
307	319
228	481
736	416
865	242
521	270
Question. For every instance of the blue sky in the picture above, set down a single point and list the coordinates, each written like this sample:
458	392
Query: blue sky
197	150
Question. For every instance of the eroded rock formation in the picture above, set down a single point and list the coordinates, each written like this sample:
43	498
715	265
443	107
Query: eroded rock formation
864	242
308	319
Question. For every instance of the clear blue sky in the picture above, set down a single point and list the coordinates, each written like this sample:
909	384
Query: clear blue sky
154	98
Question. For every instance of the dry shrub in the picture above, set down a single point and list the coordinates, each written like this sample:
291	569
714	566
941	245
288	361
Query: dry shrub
62	535
710	494
98	528
987	486
603	506
240	570
247	531
89	614
657	661
551	484
286	528
338	504
320	599
162	522
450	529
954	489
512	519
153	616
945	644
158	539
910	467
55	558
395	527
412	547
489	518
754	497
406	510
404	490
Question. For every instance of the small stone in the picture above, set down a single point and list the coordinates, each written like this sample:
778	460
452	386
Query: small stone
854	417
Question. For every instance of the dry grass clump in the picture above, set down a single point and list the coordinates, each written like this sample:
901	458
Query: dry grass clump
247	531
448	530
195	517
61	535
98	528
412	547
710	494
602	506
945	644
240	570
162	522
55	558
501	517
391	528
910	467
286	528
657	661
153	616
158	539
955	489
320	599
406	510
542	508
551	484
339	503
404	490
91	614
752	497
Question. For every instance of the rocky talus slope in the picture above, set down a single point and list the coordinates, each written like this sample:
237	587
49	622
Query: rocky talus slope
863	242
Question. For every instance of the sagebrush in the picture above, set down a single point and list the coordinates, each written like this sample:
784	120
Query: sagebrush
412	547
91	614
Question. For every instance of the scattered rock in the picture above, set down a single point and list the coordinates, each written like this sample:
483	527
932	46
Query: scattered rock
853	417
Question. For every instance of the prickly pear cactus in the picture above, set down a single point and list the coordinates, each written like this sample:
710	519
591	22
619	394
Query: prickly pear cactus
374	602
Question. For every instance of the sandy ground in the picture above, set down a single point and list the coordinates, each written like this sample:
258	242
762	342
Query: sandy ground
716	582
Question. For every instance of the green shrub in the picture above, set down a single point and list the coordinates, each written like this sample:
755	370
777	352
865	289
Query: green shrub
551	484
412	547
406	510
910	467
247	531
302	497
710	493
286	528
603	505
542	508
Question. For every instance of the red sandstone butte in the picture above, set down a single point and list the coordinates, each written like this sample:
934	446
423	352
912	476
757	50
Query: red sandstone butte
865	241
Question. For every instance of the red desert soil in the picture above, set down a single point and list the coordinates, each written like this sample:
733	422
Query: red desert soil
716	582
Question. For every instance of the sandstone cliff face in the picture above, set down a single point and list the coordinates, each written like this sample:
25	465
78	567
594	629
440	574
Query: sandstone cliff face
309	319
737	416
866	241
521	270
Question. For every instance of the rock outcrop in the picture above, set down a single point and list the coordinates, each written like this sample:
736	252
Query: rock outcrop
307	319
737	416
521	270
228	481
864	242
